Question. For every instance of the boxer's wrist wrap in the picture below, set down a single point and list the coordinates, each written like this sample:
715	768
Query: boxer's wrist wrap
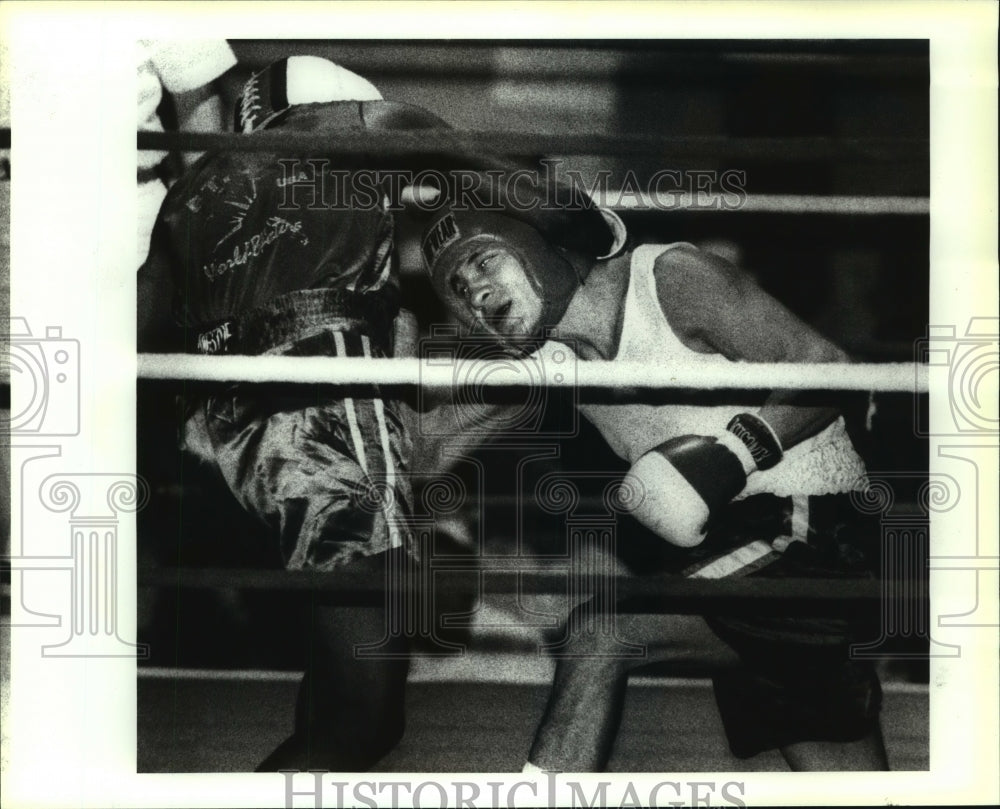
758	438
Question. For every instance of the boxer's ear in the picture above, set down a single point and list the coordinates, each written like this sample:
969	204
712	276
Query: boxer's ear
420	199
619	233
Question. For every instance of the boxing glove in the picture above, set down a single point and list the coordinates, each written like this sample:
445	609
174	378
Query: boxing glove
683	481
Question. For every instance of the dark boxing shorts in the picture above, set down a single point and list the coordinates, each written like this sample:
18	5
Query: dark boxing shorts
328	475
798	681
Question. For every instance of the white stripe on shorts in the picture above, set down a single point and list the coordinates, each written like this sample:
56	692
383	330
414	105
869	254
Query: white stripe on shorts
800	517
741	560
390	467
352	416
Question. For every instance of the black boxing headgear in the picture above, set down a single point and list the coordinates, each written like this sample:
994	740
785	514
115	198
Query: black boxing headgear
549	271
557	229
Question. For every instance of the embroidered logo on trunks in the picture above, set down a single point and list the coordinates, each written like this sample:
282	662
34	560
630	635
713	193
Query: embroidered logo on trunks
214	341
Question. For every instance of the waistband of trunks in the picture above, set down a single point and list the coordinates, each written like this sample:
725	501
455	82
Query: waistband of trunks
754	532
294	315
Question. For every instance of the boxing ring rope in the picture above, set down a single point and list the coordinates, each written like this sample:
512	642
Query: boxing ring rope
879	377
794	204
397	143
668	594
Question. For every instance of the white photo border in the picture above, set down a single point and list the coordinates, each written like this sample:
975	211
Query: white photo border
72	734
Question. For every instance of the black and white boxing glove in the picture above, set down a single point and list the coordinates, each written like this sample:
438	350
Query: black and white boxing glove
686	479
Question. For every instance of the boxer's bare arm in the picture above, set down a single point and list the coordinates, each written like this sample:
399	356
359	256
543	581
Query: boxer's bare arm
714	307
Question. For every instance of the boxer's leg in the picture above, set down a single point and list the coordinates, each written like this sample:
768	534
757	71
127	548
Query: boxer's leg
584	711
307	471
350	710
864	755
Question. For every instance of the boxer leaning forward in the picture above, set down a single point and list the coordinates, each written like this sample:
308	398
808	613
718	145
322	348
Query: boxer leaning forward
240	264
734	491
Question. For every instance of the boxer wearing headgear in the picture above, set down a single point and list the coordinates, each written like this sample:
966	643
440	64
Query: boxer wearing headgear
511	278
259	266
656	304
735	491
515	270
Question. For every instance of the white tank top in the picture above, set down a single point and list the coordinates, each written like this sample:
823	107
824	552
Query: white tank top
825	463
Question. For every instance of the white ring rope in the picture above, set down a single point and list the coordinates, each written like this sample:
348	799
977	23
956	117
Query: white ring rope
883	377
630	201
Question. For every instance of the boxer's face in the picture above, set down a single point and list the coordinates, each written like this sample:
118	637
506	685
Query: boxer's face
484	283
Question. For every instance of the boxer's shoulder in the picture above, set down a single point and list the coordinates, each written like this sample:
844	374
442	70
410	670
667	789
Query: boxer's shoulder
696	290
684	267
